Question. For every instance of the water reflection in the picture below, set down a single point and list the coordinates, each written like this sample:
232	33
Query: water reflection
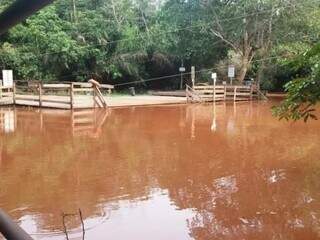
80	122
7	120
162	173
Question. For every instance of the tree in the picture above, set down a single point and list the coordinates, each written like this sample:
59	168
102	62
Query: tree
249	28
130	40
303	93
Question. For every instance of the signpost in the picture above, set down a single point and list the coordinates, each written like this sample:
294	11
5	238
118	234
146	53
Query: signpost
193	75
182	69
231	73
7	78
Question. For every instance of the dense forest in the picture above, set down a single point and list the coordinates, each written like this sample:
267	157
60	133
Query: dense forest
141	42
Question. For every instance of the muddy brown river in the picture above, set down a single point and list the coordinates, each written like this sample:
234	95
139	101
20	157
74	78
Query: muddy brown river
162	173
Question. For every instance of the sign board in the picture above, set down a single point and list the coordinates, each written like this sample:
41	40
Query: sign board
231	71
7	78
214	75
182	69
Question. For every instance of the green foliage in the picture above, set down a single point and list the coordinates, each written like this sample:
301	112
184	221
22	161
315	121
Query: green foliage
303	93
132	40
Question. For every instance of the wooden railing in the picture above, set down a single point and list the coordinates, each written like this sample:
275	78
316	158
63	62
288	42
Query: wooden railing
210	92
239	93
192	95
6	95
216	93
60	95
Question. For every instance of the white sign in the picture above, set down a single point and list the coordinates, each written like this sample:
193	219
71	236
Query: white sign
214	76
7	78
231	72
182	69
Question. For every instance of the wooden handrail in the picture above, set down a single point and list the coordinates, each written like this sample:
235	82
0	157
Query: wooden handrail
191	93
40	94
262	95
98	94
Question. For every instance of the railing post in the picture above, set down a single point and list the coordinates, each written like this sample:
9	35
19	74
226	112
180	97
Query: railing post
193	76
94	96
187	93
40	93
214	91
235	94
71	96
14	93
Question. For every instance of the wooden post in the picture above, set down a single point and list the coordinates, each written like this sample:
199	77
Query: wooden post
71	95
214	90
94	96
187	94
14	93
214	79
235	94
193	76
40	94
225	93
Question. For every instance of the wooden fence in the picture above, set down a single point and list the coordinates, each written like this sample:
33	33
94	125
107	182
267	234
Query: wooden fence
214	93
56	95
6	95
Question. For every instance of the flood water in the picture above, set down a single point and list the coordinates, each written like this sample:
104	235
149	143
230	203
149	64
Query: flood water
162	173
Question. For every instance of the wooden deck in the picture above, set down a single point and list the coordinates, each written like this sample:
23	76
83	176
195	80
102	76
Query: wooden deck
84	102
178	93
76	95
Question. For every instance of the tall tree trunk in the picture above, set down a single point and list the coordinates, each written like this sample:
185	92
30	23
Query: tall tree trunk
74	10
243	71
246	61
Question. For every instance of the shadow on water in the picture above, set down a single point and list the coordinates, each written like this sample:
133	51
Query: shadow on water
173	172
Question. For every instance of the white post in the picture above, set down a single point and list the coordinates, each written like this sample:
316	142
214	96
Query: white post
193	76
182	69
214	77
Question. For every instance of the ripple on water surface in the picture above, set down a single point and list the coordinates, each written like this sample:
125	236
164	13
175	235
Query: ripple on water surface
168	172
